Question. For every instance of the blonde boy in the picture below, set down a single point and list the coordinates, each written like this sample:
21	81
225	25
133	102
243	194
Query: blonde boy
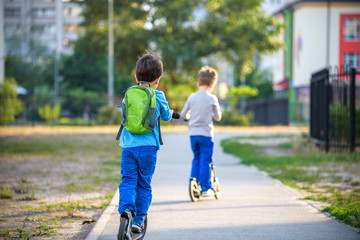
200	109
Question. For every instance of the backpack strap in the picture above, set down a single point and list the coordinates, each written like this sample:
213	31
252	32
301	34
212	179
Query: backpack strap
119	132
160	138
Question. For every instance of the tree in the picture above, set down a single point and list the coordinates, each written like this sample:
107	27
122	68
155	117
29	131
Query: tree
182	32
187	31
87	67
260	79
241	91
10	106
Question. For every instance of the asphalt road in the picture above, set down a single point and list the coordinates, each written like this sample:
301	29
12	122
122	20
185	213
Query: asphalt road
253	205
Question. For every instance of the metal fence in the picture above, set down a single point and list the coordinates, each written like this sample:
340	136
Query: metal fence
270	111
333	98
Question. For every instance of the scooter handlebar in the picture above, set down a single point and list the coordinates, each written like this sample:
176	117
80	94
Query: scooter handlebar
175	115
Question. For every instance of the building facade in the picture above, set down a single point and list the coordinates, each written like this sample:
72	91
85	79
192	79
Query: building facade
317	34
31	26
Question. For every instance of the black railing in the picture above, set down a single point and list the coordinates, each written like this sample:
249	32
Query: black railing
270	111
333	97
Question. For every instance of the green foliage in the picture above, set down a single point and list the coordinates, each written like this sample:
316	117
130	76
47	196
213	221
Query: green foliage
184	32
79	101
178	94
31	194
339	121
346	207
234	118
108	115
262	80
241	91
49	113
5	233
66	121
10	105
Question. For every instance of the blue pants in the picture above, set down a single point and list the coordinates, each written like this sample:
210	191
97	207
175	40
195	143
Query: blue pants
137	169
202	148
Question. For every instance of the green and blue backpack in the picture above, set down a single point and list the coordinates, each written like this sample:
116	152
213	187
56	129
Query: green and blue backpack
139	110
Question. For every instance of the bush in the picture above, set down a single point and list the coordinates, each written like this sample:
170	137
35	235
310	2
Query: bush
234	118
339	123
75	121
10	106
108	115
49	113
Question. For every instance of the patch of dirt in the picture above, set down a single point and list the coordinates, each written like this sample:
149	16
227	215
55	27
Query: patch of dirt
56	195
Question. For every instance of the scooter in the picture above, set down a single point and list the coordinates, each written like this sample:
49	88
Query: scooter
125	232
195	188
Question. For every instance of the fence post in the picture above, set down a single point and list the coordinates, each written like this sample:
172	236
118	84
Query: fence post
327	110
352	110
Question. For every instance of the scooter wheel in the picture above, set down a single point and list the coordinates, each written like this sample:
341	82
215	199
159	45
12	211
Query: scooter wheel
145	227
217	189
194	191
122	229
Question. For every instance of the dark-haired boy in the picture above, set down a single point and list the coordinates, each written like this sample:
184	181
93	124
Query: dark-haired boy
201	108
139	152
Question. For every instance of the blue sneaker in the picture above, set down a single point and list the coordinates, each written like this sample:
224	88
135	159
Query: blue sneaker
137	227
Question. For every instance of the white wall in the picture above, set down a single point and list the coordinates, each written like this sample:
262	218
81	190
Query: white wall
275	61
309	56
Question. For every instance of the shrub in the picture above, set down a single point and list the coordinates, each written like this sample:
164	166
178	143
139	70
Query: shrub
234	118
108	115
49	113
75	121
339	123
10	106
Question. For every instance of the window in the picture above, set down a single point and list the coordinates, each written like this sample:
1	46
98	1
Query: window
351	29
12	12
72	11
43	12
44	29
351	60
43	0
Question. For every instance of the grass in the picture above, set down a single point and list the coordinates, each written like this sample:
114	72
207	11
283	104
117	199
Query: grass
5	192
302	170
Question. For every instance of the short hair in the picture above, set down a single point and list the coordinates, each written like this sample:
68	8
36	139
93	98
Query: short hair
207	76
149	67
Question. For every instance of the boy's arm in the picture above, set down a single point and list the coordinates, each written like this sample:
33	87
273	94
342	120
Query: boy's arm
165	112
184	112
216	110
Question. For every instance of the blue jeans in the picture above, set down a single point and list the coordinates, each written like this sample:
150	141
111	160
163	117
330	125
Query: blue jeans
202	148
137	169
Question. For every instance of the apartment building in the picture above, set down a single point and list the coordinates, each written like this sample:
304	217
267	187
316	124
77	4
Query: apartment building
49	26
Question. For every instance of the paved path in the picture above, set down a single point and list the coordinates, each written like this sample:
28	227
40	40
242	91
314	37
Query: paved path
253	205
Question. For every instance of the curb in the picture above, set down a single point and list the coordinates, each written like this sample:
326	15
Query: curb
104	218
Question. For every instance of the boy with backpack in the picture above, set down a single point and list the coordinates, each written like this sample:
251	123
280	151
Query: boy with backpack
201	108
142	109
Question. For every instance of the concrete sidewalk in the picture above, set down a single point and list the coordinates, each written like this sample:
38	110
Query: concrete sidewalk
253	205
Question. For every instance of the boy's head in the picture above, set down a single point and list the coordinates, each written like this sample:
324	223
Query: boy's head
207	76
149	67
